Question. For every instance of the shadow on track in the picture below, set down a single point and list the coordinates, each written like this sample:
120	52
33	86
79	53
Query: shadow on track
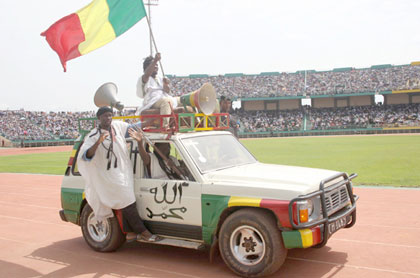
14	270
73	257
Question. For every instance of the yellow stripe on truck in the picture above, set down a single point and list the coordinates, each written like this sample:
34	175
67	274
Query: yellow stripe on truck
306	235
244	201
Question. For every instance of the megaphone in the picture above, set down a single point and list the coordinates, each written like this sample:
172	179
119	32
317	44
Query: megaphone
204	99
106	95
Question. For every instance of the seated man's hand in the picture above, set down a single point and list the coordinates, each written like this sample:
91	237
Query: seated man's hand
157	57
166	85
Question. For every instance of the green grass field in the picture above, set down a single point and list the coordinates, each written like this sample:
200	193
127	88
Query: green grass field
378	160
44	163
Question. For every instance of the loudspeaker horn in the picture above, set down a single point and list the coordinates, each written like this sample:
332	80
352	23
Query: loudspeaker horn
204	99
106	95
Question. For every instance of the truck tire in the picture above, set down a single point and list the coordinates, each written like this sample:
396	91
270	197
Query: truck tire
250	243
103	236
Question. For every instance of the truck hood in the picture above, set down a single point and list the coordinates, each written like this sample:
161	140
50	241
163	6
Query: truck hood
267	180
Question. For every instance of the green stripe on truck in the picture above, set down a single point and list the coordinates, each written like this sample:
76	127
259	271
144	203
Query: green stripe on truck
212	207
71	201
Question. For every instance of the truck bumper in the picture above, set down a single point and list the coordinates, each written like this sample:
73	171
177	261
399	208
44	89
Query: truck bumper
63	216
319	234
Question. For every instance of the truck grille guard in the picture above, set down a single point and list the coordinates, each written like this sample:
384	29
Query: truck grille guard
331	198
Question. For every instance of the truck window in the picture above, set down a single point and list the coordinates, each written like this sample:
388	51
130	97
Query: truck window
179	162
217	152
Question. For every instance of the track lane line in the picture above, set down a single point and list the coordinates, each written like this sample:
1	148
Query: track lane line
14	240
356	266
77	254
129	264
30	195
25	187
27	205
388	226
35	221
375	243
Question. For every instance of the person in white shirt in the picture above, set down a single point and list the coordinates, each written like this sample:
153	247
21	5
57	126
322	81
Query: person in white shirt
155	90
105	165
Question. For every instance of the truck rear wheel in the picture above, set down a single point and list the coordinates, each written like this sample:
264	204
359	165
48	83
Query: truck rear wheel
251	244
102	236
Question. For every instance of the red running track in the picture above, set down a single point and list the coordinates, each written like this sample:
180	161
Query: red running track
34	242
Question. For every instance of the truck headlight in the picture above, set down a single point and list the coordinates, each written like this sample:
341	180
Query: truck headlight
310	207
305	209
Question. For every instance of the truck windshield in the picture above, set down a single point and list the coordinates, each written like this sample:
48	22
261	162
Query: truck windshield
217	152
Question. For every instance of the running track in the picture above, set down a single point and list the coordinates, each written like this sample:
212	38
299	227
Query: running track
34	242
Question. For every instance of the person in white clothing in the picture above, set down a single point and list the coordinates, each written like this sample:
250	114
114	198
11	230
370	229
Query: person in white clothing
155	90
105	165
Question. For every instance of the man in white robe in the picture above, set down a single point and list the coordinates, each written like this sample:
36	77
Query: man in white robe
104	162
154	89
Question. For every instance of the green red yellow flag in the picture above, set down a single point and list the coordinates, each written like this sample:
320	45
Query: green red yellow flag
92	27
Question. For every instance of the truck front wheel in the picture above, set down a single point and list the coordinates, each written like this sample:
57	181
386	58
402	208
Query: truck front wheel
251	244
102	236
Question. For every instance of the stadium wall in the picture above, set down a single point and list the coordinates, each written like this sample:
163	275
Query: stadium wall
362	100
271	105
266	134
253	105
415	99
360	131
287	104
262	105
42	143
319	101
323	102
396	99
341	102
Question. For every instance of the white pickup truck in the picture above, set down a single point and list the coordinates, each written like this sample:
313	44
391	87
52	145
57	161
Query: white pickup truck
250	211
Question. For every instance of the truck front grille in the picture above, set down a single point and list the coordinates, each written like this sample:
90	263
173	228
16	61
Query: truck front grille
336	199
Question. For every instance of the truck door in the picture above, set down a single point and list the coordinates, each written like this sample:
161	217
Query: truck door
170	206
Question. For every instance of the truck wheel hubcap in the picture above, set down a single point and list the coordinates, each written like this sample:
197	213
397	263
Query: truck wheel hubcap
98	230
247	245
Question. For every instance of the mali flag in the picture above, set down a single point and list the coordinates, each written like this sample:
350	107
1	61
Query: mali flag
92	27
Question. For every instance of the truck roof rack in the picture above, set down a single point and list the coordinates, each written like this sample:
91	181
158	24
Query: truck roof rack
178	122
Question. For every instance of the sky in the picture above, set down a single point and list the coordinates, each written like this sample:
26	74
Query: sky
201	37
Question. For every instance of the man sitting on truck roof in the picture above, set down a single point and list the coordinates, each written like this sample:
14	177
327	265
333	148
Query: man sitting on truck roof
154	89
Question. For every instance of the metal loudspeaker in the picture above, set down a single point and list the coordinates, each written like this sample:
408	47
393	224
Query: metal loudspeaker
106	95
204	99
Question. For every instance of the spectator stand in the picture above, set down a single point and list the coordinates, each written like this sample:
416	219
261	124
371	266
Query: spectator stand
271	104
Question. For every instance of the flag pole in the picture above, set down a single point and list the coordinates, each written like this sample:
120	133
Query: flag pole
154	43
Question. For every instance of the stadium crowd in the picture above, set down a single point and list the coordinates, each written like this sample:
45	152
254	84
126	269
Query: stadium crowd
29	125
317	83
331	118
260	121
365	116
